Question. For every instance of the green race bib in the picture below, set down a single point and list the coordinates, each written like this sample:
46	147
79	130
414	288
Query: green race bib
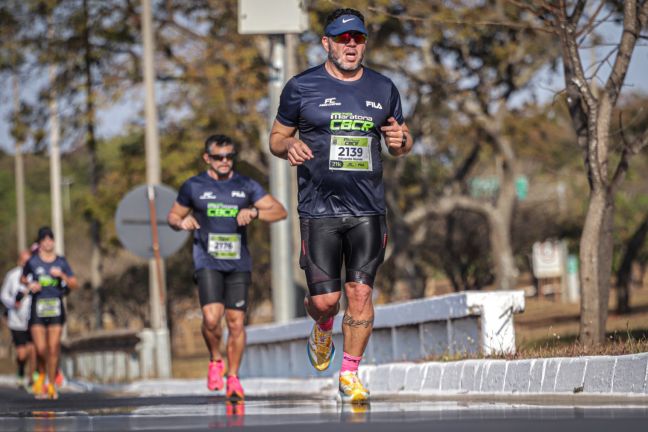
350	153
48	307
224	246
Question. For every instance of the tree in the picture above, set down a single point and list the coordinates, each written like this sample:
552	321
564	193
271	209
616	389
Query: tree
591	112
463	63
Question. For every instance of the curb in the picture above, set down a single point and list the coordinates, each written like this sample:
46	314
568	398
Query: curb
600	375
596	376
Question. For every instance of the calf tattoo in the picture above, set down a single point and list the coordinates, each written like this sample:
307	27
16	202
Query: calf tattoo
348	320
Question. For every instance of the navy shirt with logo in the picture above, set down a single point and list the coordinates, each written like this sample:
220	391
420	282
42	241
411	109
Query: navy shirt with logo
38	270
340	121
220	243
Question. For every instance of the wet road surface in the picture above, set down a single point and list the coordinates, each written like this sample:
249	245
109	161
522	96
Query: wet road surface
101	412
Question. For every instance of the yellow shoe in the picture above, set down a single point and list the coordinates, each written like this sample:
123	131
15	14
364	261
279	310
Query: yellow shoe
351	389
51	392
320	348
39	387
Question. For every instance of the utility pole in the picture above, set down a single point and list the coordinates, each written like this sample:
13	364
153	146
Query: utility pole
281	25
283	284
55	165
299	278
157	283
21	225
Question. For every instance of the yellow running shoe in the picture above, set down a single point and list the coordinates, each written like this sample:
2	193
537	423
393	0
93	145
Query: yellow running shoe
38	388
51	392
320	348
351	389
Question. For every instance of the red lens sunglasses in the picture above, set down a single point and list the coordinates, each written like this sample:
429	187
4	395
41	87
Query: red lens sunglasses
345	38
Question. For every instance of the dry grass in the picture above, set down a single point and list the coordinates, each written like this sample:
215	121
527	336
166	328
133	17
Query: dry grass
549	328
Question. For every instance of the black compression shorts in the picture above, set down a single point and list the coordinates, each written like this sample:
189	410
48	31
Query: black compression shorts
361	241
227	288
21	337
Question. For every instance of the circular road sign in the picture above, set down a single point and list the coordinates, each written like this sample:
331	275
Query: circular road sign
133	222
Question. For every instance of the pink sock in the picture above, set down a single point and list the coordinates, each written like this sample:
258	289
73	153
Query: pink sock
326	326
350	363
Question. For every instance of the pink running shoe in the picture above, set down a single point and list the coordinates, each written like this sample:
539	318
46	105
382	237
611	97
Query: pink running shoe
60	379
234	389
215	375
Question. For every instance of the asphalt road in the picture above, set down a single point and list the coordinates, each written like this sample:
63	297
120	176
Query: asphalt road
102	412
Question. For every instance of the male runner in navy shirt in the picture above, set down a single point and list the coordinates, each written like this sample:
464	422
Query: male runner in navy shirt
217	205
341	109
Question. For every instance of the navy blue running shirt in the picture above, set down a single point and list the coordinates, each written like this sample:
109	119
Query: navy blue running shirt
220	243
340	121
38	270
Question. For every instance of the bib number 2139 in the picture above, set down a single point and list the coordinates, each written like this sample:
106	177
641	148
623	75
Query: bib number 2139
350	153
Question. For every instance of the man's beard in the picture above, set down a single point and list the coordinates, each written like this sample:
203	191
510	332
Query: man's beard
225	175
338	64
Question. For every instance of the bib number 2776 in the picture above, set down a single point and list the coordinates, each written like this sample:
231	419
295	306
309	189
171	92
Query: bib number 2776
225	246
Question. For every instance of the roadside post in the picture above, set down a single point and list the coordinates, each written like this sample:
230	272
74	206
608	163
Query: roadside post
142	229
277	18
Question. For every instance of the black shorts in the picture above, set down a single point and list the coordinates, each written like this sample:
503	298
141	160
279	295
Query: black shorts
21	337
46	321
227	288
361	241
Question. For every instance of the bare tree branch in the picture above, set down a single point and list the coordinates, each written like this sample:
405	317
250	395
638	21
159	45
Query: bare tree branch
624	163
467	163
629	149
626	47
583	35
604	61
587	28
576	14
446	205
578	79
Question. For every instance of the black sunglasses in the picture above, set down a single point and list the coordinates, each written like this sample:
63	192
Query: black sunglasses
222	157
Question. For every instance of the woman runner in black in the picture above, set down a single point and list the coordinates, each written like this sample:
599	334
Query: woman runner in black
47	277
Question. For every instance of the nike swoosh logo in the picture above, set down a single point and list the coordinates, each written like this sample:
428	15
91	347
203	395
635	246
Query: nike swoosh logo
346	21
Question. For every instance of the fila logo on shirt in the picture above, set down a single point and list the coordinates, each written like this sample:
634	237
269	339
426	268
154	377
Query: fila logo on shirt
375	105
330	102
208	195
238	194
